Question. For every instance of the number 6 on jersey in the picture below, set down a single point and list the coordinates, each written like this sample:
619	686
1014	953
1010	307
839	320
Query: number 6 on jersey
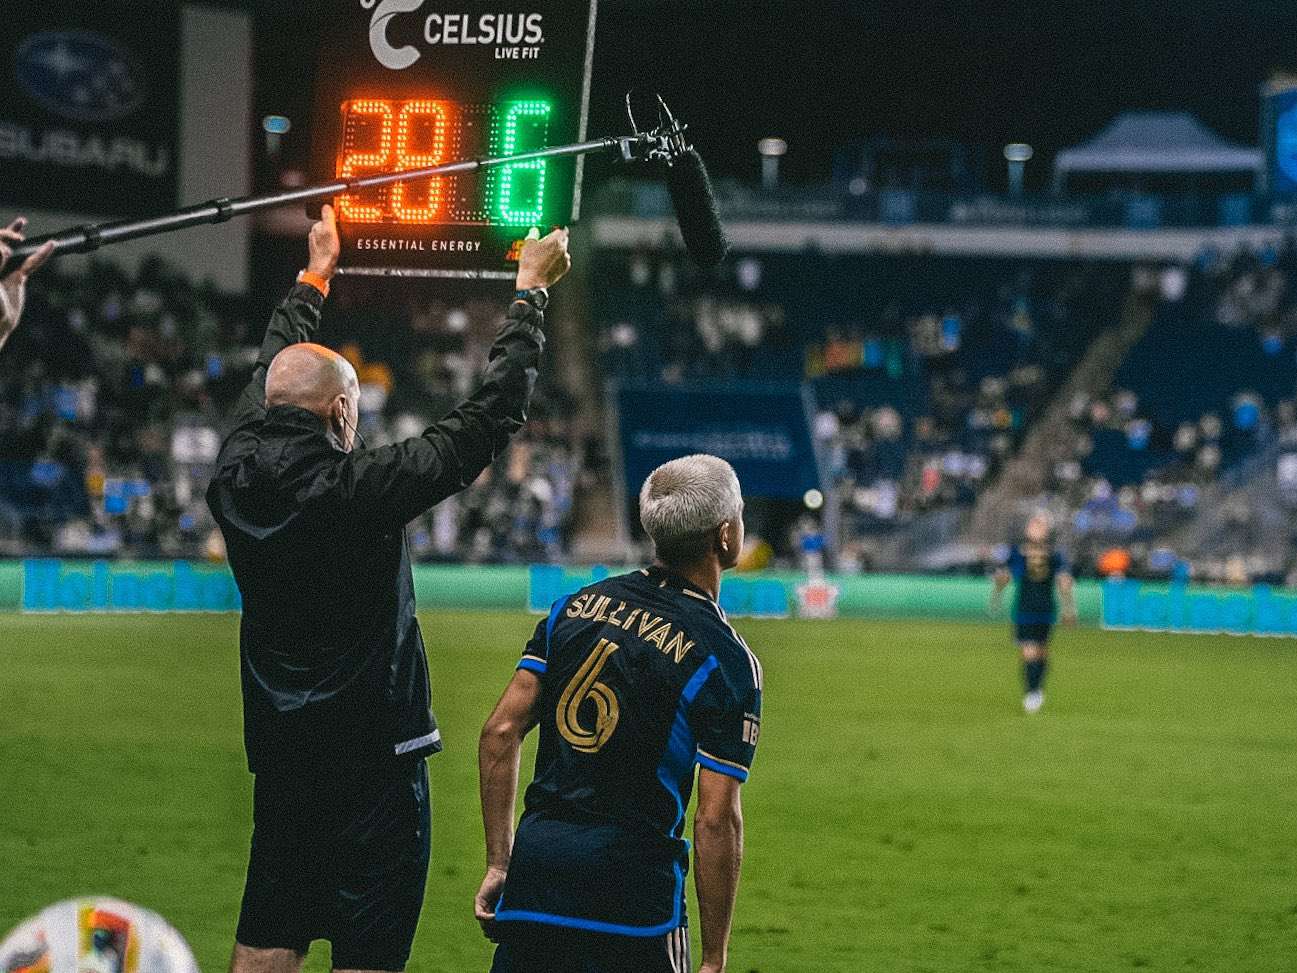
585	685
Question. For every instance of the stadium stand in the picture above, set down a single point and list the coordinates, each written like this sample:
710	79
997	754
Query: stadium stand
927	372
1203	405
115	386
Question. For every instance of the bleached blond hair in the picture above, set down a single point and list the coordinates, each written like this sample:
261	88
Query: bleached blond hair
683	500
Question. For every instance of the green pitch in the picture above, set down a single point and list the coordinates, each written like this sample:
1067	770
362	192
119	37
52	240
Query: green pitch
903	814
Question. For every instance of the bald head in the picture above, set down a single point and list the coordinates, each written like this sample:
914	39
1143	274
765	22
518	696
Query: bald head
318	380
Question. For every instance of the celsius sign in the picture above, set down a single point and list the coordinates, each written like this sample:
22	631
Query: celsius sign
410	84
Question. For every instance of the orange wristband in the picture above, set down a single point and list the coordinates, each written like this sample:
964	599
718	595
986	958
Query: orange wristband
314	280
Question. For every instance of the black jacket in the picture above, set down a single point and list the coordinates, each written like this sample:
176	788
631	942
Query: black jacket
333	663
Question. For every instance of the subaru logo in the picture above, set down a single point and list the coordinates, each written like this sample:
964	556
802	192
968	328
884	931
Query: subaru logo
82	76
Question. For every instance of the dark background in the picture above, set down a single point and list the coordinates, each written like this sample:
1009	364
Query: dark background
151	40
825	74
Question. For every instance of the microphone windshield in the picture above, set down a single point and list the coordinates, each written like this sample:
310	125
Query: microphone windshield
696	211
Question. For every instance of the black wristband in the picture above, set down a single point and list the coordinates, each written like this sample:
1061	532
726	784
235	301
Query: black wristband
537	297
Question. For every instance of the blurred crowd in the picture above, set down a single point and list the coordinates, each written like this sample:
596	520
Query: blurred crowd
112	394
113	390
1220	415
982	375
928	377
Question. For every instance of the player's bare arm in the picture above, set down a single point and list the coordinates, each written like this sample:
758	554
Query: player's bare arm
718	857
1067	597
498	754
999	581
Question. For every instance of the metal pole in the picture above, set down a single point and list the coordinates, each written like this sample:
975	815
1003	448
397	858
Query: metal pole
769	171
1016	171
83	239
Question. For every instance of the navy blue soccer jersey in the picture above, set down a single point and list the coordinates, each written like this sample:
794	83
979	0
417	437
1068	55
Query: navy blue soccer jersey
642	678
1035	567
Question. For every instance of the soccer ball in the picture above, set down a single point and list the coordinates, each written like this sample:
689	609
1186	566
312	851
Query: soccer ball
96	935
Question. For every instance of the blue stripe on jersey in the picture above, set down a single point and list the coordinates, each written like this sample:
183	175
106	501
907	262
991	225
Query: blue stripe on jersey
594	925
554	612
681	746
728	770
677	762
540	666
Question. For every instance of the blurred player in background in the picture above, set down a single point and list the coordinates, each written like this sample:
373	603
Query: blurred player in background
13	280
336	698
634	680
1044	580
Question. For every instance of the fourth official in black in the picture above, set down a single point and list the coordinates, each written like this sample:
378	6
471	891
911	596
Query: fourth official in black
336	695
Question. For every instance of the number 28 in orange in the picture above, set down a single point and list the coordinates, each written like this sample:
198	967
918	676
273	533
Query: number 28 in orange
413	137
379	135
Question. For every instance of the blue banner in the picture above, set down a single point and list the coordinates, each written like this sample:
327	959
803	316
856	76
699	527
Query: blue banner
1150	608
54	585
741	596
763	432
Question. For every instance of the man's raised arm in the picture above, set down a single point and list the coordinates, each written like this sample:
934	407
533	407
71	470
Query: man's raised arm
296	318
397	483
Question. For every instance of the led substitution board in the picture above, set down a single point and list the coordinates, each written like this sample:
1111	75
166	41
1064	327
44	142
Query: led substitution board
409	84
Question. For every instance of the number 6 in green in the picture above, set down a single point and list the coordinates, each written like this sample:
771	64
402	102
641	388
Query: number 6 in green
529	209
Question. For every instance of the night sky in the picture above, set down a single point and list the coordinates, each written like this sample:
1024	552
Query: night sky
824	74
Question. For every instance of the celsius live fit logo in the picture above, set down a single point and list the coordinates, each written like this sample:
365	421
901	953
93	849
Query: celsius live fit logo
505	30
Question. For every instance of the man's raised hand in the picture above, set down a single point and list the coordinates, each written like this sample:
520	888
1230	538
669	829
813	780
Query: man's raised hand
324	244
544	262
13	280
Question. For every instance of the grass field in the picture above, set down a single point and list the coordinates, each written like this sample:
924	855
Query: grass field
903	814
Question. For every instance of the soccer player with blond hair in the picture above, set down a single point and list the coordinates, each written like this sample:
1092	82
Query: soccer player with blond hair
635	681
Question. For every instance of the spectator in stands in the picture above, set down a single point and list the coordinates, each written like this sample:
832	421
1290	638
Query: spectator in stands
13	281
111	391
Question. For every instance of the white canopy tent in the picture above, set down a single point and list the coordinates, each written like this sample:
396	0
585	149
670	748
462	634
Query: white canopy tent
1154	142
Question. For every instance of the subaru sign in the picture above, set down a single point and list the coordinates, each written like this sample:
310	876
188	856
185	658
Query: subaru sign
90	110
78	75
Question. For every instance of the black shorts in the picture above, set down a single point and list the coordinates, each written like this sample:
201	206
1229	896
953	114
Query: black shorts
1033	632
531	947
341	856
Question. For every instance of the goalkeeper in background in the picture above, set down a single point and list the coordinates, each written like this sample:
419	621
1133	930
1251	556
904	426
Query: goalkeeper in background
1044	580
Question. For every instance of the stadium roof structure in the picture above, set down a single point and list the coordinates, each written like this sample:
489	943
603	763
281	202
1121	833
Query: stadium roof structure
1145	142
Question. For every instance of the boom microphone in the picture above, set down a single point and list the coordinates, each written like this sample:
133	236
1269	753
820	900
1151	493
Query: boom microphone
692	198
696	210
664	145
